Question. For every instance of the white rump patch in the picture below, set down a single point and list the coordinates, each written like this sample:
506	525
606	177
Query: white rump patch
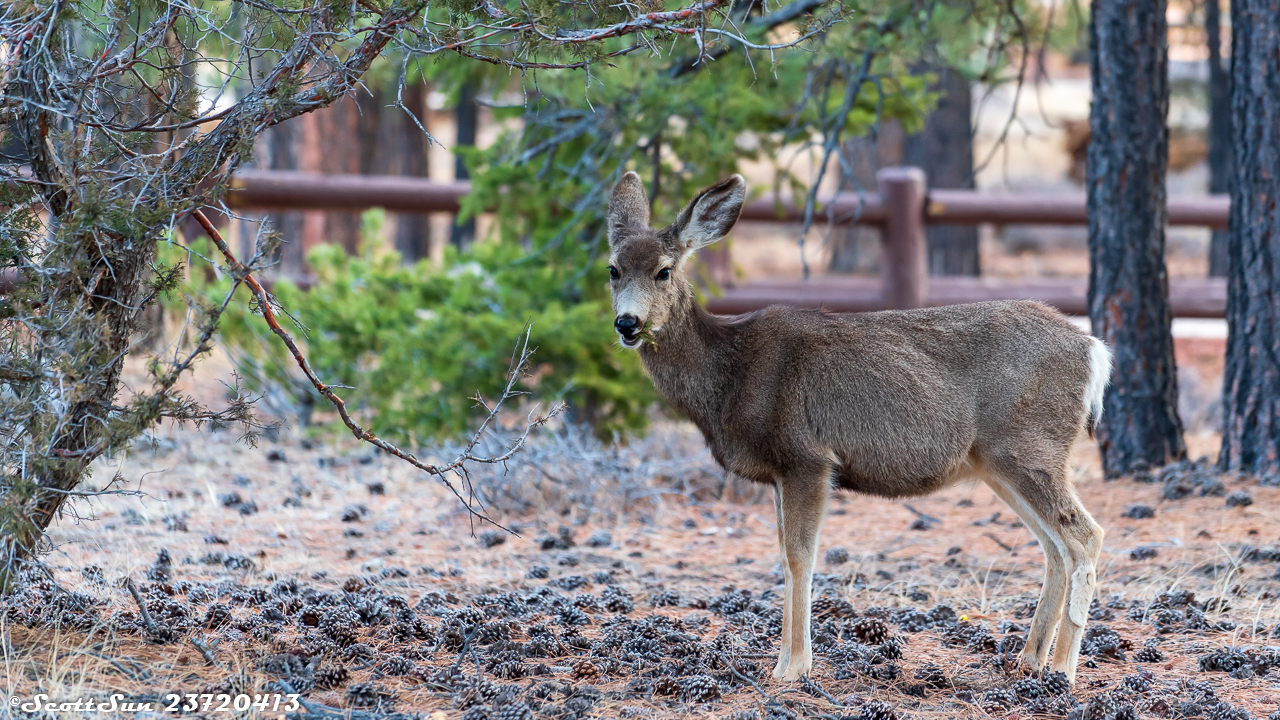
1099	377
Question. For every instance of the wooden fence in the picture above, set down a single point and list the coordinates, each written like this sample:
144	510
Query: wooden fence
901	209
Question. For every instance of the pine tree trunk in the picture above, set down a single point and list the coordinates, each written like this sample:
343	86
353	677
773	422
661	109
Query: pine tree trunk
282	150
944	148
377	121
339	150
1128	280
1251	378
857	248
463	233
1219	130
413	233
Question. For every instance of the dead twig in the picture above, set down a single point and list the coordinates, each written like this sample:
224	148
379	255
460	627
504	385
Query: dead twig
923	516
995	518
205	652
769	700
147	620
1013	549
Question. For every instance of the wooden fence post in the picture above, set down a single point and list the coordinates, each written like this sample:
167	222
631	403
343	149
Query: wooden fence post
904	273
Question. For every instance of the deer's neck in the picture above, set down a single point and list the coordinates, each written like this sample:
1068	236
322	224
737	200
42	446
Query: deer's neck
691	362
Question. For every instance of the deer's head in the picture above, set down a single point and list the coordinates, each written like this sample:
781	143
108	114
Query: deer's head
647	266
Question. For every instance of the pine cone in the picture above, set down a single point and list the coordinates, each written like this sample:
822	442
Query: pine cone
340	624
217	616
510	669
397	665
1101	707
1055	683
585	670
666	686
666	598
870	630
368	695
1029	689
891	649
836	556
1150	653
328	677
997	700
877	710
825	607
700	688
1138	682
933	675
514	711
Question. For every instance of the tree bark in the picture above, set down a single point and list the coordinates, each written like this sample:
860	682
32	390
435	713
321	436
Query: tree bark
377	125
282	151
1128	280
944	148
1251	378
1219	130
463	233
338	146
413	232
857	248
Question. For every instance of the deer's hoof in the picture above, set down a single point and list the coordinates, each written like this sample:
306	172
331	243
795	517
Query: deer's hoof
796	670
780	669
1025	666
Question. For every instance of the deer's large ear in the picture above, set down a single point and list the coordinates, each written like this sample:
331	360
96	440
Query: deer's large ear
711	215
628	206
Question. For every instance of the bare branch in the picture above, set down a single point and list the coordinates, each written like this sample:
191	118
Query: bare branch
768	21
458	465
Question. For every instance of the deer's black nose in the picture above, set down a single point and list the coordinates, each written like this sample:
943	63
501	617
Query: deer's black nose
627	325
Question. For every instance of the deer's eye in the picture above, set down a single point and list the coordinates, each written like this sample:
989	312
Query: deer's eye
664	273
613	272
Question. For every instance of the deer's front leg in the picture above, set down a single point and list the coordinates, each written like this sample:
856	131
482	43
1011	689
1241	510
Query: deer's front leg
784	647
803	503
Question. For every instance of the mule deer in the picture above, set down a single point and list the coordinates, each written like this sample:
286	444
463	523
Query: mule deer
894	403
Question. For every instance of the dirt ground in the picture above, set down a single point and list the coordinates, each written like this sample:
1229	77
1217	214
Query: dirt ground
325	569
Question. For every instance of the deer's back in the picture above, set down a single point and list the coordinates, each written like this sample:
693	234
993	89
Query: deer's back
904	401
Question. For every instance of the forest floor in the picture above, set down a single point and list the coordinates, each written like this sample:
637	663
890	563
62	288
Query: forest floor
641	584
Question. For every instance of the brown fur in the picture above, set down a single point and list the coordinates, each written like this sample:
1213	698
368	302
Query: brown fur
894	404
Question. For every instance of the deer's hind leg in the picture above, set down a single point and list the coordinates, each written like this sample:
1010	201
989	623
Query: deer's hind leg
1047	495
1053	592
804	498
1083	538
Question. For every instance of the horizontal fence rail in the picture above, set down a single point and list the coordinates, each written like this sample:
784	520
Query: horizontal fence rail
1188	297
966	207
281	190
